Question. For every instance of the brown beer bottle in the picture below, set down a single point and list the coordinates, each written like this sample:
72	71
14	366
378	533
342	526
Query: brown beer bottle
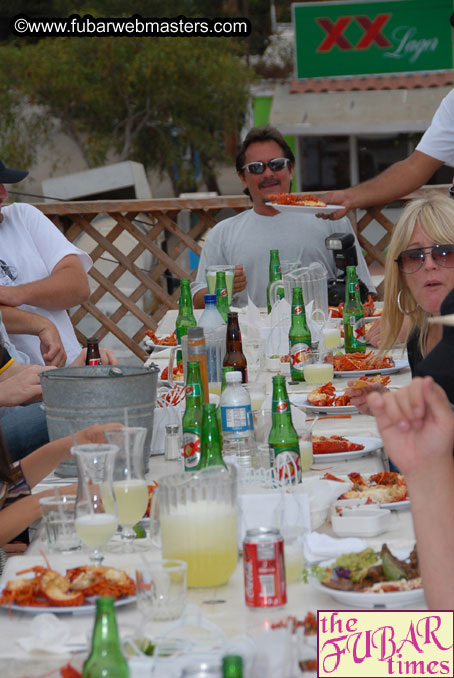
93	354
234	356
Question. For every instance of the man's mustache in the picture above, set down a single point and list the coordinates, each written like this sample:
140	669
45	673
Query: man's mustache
268	182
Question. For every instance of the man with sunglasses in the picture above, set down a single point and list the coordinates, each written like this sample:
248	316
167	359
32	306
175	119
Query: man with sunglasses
436	148
265	165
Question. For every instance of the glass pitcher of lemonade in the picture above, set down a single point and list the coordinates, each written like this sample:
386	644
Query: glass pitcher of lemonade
198	523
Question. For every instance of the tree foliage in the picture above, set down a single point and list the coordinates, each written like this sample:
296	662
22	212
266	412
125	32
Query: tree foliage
146	99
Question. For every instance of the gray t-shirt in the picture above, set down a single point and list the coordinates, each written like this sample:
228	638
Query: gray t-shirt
248	237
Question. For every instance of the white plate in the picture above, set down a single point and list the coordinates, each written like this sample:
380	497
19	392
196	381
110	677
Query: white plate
399	365
157	347
370	445
165	382
369	601
308	209
396	505
391	505
87	608
300	400
391	599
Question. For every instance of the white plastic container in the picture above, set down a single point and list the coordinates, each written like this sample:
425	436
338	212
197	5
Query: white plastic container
361	522
236	420
214	329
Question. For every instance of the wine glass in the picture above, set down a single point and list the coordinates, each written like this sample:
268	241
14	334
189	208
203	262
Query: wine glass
129	485
96	510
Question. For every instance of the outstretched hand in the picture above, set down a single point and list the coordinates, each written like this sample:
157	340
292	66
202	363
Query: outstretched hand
416	424
358	396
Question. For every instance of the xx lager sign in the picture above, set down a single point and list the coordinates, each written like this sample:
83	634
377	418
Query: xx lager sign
384	36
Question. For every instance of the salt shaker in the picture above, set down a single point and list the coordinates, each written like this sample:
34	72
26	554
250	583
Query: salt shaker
172	445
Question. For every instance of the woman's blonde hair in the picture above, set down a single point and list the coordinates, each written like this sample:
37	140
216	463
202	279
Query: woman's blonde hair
434	213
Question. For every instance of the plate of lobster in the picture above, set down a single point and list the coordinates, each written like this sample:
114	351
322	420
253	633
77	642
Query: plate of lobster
386	488
153	343
356	364
40	588
339	448
324	399
294	202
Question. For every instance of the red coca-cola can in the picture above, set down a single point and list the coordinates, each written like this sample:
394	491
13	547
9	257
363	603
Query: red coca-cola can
264	569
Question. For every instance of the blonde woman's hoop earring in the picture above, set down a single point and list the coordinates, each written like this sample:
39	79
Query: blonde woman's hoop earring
404	310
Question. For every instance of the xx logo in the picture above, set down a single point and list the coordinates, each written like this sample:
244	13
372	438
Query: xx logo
372	32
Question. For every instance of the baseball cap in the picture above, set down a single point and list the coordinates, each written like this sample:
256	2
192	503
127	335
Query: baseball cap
11	176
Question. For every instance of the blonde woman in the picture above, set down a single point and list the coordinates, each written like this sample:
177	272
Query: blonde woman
419	274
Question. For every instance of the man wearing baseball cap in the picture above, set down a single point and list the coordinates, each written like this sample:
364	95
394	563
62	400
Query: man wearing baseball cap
40	272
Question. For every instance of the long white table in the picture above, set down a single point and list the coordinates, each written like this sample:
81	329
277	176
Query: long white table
232	616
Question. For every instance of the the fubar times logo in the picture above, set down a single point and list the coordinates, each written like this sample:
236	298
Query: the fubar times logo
391	643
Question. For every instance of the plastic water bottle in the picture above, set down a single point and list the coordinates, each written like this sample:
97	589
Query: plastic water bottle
236	421
214	329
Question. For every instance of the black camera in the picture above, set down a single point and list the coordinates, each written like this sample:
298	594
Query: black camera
343	247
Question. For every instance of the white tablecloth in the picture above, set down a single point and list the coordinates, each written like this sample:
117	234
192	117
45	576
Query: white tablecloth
232	616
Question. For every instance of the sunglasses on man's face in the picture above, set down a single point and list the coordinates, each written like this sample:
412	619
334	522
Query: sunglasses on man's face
258	167
411	261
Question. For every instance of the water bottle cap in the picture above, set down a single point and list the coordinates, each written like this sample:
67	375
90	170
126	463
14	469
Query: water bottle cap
209	299
233	377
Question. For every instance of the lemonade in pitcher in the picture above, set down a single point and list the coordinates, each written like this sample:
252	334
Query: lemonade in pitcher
204	534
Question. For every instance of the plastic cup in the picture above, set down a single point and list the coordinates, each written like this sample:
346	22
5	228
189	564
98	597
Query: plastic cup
161	589
58	518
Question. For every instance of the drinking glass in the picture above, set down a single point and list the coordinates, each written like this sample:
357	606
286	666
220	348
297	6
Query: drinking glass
96	509
332	334
318	367
229	271
129	485
161	588
306	449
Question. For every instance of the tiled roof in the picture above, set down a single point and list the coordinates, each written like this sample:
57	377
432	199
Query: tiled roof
373	82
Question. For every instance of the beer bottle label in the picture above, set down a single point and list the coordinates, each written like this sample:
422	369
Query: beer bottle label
236	417
222	292
94	361
281	406
297	310
191	448
287	464
297	351
357	330
193	390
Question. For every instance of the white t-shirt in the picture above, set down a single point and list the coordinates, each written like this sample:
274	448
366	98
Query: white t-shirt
30	247
248	237
438	140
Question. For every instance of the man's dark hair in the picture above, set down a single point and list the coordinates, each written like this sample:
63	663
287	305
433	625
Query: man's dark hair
260	134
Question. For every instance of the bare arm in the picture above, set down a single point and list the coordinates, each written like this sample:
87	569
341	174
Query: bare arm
398	180
36	466
65	287
417	427
18	321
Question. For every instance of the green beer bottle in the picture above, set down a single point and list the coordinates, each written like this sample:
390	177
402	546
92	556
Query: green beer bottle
232	666
218	409
222	297
274	274
283	439
185	317
299	336
354	330
105	659
210	442
192	418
